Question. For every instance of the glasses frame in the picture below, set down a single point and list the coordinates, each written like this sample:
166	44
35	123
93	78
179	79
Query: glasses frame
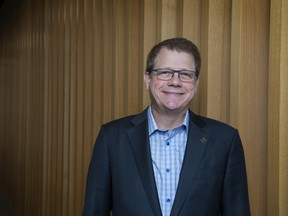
172	71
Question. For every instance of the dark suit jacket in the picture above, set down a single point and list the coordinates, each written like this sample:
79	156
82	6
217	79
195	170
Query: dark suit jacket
212	181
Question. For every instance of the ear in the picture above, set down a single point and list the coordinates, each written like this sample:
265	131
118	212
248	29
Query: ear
147	80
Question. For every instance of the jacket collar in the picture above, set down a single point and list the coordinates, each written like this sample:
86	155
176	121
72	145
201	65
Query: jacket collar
139	141
195	148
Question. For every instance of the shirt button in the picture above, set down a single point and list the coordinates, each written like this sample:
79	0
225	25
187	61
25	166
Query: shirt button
167	170
167	143
168	200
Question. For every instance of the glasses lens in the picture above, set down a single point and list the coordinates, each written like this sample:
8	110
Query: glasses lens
165	74
186	76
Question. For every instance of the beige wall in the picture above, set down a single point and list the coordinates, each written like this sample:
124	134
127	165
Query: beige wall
67	66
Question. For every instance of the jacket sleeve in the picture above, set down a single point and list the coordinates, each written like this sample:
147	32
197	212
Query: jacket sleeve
98	186
235	199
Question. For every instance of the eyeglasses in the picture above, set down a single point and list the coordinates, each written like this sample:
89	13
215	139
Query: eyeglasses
166	74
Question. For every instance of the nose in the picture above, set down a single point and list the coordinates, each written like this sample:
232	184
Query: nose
175	80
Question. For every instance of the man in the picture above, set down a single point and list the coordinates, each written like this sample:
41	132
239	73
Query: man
167	160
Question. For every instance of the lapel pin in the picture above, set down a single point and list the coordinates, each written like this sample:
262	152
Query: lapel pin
203	140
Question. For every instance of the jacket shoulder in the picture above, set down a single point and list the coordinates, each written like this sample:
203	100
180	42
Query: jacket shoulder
119	123
210	124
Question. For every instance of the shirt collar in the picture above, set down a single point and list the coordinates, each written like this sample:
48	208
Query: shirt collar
152	126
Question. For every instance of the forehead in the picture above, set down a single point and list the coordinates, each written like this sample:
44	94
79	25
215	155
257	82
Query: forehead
174	58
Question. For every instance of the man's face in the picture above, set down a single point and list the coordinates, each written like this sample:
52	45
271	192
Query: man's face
172	95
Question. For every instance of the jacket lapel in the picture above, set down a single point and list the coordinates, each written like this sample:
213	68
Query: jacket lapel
139	141
196	144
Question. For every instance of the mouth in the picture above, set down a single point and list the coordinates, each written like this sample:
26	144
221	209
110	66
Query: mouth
173	93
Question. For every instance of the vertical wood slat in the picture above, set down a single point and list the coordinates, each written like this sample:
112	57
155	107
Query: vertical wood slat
98	66
50	127
149	34
168	18
60	104
66	107
249	72
133	62
46	135
80	55
73	110
277	117
218	65
92	71
41	76
88	136
55	91
214	83
21	110
107	65
27	198
119	42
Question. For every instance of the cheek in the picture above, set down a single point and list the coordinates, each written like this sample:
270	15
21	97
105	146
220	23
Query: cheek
193	88
154	90
155	86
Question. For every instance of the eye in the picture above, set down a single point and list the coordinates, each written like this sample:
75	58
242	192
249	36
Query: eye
186	75
164	73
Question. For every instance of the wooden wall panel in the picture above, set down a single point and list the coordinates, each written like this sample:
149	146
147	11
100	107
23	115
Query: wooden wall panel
97	87
107	67
133	62
216	27
23	102
278	117
248	91
119	80
73	114
149	35
68	66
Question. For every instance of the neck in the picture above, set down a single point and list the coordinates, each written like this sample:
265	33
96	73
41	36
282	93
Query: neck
169	119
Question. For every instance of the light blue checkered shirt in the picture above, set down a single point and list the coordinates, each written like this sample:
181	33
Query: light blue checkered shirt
167	152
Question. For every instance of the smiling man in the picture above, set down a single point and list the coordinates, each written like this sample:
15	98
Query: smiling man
172	82
168	160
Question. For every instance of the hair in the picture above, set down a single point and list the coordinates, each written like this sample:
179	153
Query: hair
178	44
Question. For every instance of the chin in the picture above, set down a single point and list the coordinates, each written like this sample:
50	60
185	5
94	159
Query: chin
173	109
